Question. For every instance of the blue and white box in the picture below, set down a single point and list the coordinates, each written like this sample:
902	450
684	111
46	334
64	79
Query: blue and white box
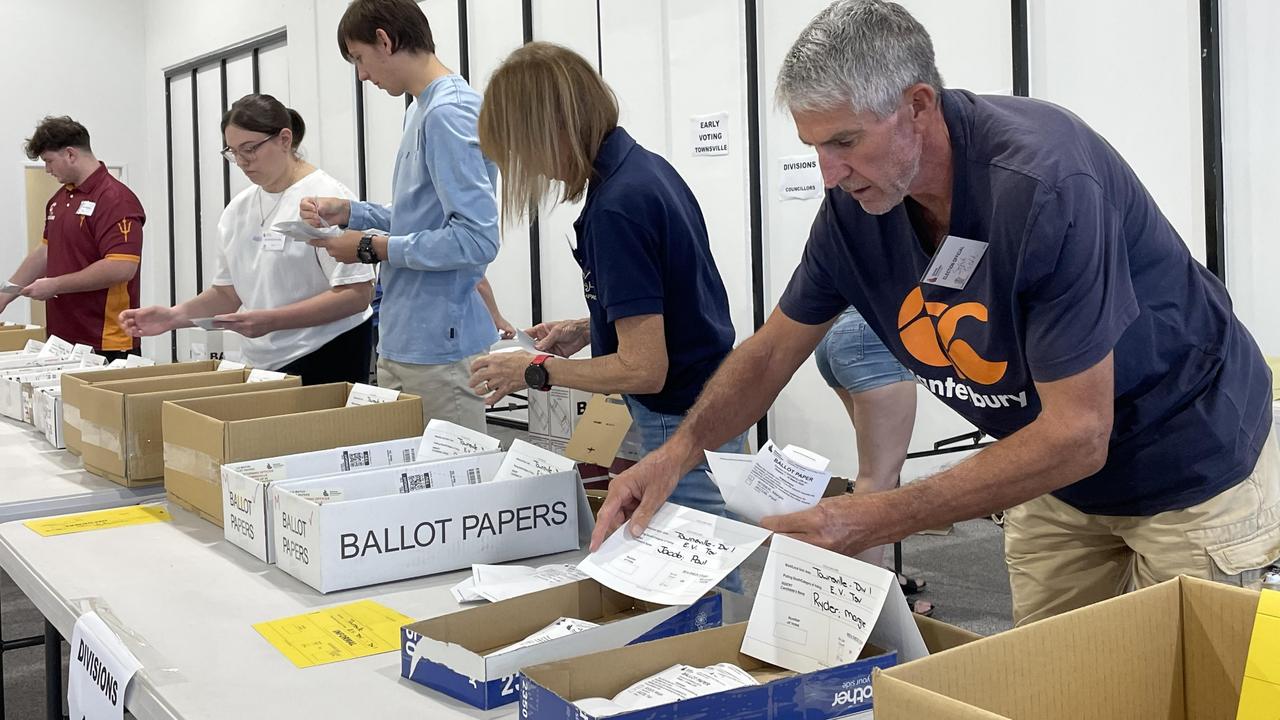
548	691
448	653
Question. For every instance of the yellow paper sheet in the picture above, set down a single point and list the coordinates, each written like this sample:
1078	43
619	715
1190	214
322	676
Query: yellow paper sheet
1260	692
99	520
343	632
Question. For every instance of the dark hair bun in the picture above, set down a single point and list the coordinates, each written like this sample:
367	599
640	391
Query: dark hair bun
298	127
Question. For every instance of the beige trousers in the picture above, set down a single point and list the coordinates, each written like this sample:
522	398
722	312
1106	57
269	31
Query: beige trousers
1060	558
444	390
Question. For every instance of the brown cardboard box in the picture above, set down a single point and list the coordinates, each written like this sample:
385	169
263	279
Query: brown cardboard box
15	337
1176	650
74	382
202	435
120	432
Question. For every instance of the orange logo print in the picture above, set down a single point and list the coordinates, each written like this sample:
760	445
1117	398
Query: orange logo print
928	330
125	226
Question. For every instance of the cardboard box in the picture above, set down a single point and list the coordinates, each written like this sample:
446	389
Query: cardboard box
14	337
547	690
28	390
200	436
1175	650
378	533
553	415
447	653
74	382
46	414
11	386
201	344
246	509
120	430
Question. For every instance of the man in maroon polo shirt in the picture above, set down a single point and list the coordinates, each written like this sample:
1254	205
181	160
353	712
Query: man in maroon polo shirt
86	269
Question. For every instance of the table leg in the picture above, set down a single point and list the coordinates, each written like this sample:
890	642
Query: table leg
52	672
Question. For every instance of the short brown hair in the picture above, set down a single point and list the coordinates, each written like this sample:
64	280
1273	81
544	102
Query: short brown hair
402	20
57	133
546	111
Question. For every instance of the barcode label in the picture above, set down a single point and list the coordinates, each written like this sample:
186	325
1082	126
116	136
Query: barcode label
473	476
414	482
410	454
353	460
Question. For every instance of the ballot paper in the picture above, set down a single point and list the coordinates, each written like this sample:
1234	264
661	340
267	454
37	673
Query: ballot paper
563	627
205	323
499	582
526	460
465	591
230	365
678	682
816	609
443	439
364	394
257	375
679	557
54	348
10	288
299	230
133	361
775	481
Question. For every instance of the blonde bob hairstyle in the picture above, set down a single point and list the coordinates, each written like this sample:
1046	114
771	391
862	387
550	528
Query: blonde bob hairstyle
546	111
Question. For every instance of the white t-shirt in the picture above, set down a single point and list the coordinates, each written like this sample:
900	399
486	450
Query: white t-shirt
268	272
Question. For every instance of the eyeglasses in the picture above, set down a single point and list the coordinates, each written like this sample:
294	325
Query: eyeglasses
248	151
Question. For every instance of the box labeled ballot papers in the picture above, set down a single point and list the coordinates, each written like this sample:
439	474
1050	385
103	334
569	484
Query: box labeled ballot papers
247	511
553	416
473	655
202	435
46	414
120	425
1185	648
344	531
13	381
74	381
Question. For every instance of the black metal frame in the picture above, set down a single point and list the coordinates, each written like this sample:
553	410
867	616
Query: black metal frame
1215	237
252	47
1021	48
535	235
756	202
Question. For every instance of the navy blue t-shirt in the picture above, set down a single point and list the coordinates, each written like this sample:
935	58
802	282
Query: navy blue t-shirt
643	249
1079	262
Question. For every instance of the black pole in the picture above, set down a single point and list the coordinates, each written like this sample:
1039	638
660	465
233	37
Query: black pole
362	172
756	184
599	41
226	164
1215	239
52	672
1021	49
464	42
257	80
195	159
173	264
535	249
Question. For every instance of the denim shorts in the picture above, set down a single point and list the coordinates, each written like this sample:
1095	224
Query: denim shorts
852	357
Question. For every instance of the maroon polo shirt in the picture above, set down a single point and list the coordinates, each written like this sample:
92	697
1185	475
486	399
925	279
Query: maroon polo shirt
98	219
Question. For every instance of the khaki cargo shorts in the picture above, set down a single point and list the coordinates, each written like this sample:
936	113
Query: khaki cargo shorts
1060	558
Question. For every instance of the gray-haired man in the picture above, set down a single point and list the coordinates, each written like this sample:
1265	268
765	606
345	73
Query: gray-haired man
1009	257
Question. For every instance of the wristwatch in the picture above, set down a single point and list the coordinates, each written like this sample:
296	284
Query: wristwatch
365	250
535	375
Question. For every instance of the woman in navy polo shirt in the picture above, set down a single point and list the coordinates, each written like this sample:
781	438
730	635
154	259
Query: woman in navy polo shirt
659	323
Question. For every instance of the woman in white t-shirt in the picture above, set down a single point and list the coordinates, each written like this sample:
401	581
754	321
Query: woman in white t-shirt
300	311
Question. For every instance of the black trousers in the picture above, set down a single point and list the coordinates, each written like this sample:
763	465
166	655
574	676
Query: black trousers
342	359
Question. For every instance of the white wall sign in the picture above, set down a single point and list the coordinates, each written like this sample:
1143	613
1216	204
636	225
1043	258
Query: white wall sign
101	667
800	178
710	134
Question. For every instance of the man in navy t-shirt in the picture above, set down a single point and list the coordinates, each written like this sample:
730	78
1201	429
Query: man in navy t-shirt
1011	259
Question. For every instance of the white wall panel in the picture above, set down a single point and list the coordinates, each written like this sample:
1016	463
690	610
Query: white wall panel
1250	74
209	91
184	219
273	73
239	84
1140	90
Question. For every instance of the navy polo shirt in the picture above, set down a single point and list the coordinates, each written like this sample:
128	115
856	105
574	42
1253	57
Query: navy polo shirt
1079	262
643	249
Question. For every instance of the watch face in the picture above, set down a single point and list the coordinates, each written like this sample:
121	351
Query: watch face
535	376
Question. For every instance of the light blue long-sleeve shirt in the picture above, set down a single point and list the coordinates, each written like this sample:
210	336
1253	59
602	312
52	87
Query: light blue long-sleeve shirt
443	222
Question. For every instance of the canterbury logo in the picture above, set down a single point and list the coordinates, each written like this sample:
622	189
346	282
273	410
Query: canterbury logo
125	226
928	330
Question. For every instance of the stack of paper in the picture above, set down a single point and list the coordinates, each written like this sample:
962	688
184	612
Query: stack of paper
678	682
772	482
499	582
443	439
558	629
526	460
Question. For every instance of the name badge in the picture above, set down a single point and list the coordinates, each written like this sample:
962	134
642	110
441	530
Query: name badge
86	207
272	241
955	262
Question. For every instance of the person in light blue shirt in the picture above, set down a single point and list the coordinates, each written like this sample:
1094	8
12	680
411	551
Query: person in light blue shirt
442	223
